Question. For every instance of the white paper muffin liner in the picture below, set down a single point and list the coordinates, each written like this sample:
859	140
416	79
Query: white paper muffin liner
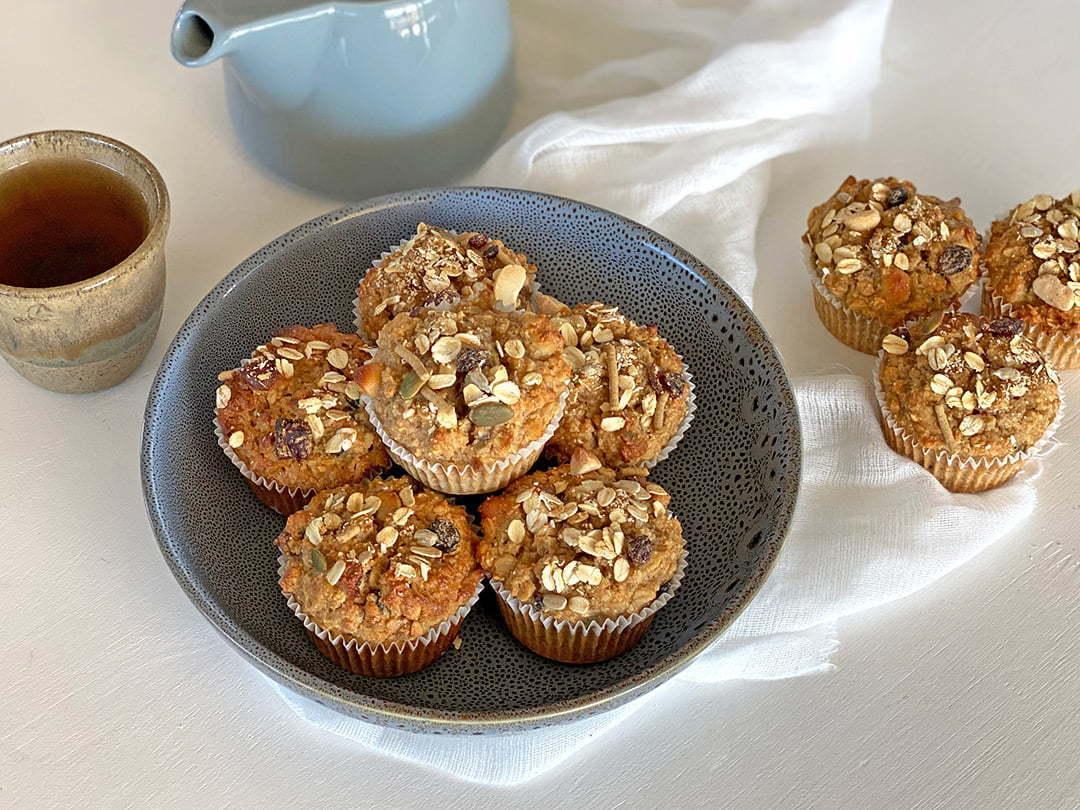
581	642
956	472
383	660
469	479
283	500
357	319
854	330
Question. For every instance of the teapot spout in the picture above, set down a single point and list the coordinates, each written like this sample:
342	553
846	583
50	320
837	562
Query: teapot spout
197	37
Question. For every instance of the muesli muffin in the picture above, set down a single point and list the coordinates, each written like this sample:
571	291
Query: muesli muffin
439	268
1032	268
381	573
465	399
970	399
581	558
630	395
881	254
290	418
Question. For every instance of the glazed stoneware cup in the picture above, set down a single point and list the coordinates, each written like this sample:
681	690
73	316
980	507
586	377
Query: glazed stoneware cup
93	333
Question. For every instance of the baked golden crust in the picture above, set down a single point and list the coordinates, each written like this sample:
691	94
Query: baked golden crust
292	414
628	394
594	545
382	561
889	253
468	385
437	268
971	386
1032	262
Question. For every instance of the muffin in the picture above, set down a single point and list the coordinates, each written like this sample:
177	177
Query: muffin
970	399
881	254
440	269
1032	268
290	417
465	399
381	573
630	397
581	558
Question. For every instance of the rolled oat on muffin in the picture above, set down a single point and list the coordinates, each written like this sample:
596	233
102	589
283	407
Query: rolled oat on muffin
1032	268
381	573
581	558
290	418
630	395
971	399
438	268
465	399
881	254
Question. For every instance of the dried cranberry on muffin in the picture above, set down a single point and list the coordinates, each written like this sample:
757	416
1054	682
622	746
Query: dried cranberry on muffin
629	396
1032	267
291	419
970	400
465	399
881	254
438	268
381	573
581	545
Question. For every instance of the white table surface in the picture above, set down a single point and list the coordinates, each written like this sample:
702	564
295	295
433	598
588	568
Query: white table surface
114	691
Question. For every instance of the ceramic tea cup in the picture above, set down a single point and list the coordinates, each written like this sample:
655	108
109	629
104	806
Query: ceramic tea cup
91	333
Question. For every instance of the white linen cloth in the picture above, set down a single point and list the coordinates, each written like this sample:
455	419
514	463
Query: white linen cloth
668	112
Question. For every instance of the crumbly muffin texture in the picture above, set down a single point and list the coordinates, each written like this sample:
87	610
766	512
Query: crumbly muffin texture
889	253
971	386
468	385
292	414
438	268
581	542
381	562
628	393
1032	262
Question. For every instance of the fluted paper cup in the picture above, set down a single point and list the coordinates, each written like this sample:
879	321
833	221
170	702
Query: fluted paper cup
466	479
580	642
283	500
957	472
383	660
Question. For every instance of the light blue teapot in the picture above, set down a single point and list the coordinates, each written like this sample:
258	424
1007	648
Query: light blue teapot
357	98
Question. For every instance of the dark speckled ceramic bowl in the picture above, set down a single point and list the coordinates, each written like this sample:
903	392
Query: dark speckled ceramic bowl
734	478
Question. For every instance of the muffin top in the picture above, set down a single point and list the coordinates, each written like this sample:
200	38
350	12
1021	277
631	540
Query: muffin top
580	541
971	386
381	561
1032	262
292	414
889	253
628	394
468	385
437	268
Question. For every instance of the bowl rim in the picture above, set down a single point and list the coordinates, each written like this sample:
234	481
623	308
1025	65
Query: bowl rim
425	719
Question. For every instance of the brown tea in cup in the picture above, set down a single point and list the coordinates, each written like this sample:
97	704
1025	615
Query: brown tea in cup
64	220
83	219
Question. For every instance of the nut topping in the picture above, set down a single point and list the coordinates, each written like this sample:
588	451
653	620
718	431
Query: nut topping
1053	292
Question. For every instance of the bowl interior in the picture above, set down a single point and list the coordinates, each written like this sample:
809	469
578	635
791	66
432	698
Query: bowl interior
734	477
